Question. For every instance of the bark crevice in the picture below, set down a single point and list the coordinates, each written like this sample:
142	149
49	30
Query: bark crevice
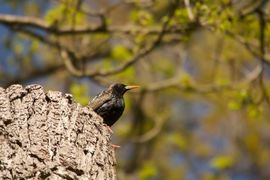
47	135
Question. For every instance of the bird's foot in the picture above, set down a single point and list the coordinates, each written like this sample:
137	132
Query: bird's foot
115	146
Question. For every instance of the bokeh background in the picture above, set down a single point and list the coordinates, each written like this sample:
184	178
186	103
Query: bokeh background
202	111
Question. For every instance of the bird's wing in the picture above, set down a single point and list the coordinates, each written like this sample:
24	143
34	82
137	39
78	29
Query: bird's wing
100	99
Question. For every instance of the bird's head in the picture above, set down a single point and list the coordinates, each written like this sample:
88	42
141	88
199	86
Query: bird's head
120	89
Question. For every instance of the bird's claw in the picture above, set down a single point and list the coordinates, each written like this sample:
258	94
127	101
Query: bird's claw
115	146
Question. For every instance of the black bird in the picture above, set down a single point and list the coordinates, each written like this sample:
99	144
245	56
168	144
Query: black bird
110	104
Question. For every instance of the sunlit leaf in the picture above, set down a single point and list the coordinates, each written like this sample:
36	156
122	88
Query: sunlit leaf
179	140
64	14
181	16
79	92
253	111
120	52
185	80
234	105
142	17
222	81
147	171
34	45
222	162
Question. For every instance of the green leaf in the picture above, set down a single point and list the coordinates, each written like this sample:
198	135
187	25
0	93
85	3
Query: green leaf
148	170
54	14
139	39
222	81
34	45
142	17
79	92
186	80
64	15
253	111
222	162
179	140
107	64
181	16
120	52
234	105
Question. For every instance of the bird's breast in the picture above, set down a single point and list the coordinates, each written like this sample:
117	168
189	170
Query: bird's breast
120	102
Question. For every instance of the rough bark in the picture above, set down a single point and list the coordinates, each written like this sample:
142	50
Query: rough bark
49	136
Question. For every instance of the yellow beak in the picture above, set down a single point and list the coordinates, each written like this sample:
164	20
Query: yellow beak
131	87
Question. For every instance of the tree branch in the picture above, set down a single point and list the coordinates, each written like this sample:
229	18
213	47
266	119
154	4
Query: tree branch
32	22
175	82
262	26
137	57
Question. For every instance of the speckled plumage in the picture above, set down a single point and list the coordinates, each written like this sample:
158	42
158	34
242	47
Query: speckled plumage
109	104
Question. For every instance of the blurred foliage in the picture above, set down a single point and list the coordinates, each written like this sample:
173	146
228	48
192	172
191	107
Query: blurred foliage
79	93
203	109
222	162
120	53
148	171
65	14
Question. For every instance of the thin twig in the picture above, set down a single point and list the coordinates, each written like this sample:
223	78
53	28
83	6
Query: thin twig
262	26
248	46
159	122
189	10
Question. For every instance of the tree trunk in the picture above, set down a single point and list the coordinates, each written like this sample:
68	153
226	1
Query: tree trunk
49	136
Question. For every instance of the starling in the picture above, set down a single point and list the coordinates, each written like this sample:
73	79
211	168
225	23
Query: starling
109	104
